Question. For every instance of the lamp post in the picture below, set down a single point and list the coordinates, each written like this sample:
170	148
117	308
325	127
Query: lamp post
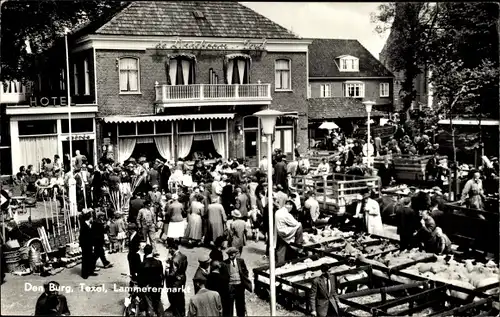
71	181
368	105
268	122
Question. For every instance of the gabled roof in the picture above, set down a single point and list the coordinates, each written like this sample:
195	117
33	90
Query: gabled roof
188	19
323	52
338	107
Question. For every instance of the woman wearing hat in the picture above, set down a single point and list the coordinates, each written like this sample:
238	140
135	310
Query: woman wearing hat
238	231
194	221
177	223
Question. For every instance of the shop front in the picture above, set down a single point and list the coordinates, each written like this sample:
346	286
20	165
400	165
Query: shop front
187	137
36	137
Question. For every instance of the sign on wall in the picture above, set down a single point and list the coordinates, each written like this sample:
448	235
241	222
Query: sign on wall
81	137
180	44
48	101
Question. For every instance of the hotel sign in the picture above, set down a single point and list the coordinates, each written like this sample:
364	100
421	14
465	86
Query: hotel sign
180	44
48	101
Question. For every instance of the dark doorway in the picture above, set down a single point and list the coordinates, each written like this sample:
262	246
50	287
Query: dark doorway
202	149
85	147
147	150
251	147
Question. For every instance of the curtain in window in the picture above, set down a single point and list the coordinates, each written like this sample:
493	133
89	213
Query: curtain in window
282	76
236	77
288	141
277	140
164	146
126	147
241	70
129	74
186	65
180	78
219	140
184	145
33	149
229	72
172	71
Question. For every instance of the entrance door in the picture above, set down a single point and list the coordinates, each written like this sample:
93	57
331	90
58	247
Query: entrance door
86	147
251	148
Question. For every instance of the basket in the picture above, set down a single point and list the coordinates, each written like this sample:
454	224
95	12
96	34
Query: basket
12	259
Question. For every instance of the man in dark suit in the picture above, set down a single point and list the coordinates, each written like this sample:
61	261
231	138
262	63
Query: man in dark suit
202	271
237	271
164	176
51	303
323	295
175	279
136	204
387	173
98	231
218	280
134	241
86	243
151	276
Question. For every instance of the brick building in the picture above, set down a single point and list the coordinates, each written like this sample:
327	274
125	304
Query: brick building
343	74
168	80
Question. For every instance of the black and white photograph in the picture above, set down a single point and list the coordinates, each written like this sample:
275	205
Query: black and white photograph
224	158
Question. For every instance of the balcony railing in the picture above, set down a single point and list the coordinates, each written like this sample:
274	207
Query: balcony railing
206	92
13	92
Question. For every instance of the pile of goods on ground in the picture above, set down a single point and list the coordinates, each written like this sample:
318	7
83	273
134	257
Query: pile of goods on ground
304	265
396	258
463	274
325	235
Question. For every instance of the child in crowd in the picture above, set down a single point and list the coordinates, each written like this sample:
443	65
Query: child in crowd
255	219
122	235
113	233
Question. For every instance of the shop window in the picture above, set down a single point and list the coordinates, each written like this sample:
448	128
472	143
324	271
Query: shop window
185	126
126	129
37	127
202	126
145	128
78	125
250	122
219	125
163	127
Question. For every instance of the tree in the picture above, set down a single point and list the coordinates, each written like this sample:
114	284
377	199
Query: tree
38	25
412	25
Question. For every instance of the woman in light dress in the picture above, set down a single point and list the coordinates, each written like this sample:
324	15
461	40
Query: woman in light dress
371	211
216	220
194	225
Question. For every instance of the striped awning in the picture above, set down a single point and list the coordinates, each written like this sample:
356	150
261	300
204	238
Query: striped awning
126	119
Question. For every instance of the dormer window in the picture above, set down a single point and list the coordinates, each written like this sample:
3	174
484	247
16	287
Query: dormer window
348	63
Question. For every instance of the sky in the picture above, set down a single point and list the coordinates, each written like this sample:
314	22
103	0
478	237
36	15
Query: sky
339	20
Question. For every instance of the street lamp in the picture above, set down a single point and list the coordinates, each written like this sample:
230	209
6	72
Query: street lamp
268	122
368	105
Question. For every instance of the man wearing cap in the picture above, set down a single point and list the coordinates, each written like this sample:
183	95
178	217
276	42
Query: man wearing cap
151	277
155	198
205	302
238	282
51	303
134	241
202	271
323	295
238	231
136	204
86	243
147	223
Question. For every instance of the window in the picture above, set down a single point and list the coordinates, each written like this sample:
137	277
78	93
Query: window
202	126
87	76
145	128
127	129
282	78
238	71
384	90
62	80
163	127
78	125
349	64
129	75
326	91
37	127
219	125
356	90
75	78
181	71
185	126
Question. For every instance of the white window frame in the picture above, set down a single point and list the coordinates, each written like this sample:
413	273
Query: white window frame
308	90
86	72
75	78
349	64
130	92
276	88
361	86
326	90
384	89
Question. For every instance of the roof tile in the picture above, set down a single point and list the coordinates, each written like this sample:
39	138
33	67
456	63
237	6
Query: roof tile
337	108
322	53
176	18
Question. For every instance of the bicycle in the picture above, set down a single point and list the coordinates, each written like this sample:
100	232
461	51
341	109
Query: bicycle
134	303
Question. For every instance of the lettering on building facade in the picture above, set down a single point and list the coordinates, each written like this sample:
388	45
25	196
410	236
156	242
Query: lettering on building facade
48	101
180	44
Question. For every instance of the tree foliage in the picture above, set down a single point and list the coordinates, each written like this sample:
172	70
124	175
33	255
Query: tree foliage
41	23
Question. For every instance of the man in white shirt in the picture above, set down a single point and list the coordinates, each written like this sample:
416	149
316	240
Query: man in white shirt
312	205
288	230
369	211
263	165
